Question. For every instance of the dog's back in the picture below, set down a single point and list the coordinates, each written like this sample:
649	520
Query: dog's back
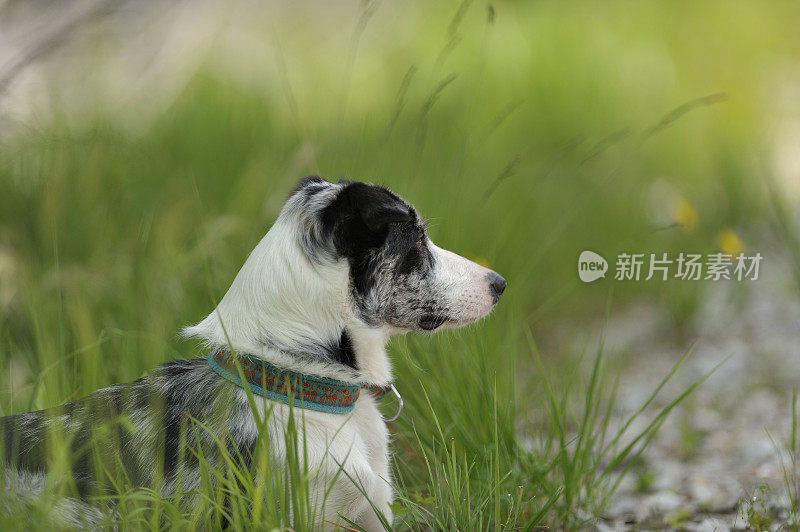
140	433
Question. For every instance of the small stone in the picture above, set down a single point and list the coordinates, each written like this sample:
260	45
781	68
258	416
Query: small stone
602	526
660	503
727	505
708	524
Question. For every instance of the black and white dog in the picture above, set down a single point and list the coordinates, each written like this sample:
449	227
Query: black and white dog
345	266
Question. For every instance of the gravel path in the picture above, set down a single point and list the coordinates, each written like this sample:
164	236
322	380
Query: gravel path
718	452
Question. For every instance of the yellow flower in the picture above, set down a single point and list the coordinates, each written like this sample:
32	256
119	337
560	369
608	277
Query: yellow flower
729	242
683	214
480	260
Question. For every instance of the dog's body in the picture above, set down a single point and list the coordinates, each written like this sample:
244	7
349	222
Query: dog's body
344	267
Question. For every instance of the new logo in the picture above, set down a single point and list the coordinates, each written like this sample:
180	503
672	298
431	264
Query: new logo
591	266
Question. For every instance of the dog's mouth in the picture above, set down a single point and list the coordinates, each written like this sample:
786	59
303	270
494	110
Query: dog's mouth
429	322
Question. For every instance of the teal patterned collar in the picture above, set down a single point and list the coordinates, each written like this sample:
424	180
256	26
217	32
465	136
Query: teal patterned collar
309	391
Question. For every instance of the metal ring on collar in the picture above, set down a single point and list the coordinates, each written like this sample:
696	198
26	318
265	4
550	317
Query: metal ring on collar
399	406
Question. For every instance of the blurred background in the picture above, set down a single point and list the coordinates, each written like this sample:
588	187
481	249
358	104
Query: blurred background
145	147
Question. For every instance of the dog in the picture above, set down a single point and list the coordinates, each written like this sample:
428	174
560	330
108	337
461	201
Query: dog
304	325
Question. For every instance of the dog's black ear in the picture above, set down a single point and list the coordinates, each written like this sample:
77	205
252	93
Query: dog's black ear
361	213
379	213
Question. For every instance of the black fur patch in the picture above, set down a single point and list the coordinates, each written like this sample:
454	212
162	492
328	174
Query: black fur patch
410	244
343	352
358	222
180	407
24	439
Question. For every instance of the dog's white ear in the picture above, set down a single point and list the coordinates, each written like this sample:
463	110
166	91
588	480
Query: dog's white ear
309	181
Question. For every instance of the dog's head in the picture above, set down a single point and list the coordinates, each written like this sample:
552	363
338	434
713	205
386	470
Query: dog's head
397	277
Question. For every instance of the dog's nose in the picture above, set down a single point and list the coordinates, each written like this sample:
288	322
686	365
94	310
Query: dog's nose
496	285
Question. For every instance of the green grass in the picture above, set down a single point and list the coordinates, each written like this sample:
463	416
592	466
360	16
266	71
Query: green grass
460	464
524	132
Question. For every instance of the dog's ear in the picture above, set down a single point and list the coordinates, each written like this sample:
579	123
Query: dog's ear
378	212
308	181
361	213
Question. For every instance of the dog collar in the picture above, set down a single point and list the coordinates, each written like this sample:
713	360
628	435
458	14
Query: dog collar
309	391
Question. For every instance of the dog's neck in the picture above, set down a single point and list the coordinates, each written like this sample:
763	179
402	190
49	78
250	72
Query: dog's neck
297	314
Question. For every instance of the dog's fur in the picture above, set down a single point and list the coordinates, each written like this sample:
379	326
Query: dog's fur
345	266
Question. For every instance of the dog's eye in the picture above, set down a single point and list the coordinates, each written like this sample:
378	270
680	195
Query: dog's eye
419	244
